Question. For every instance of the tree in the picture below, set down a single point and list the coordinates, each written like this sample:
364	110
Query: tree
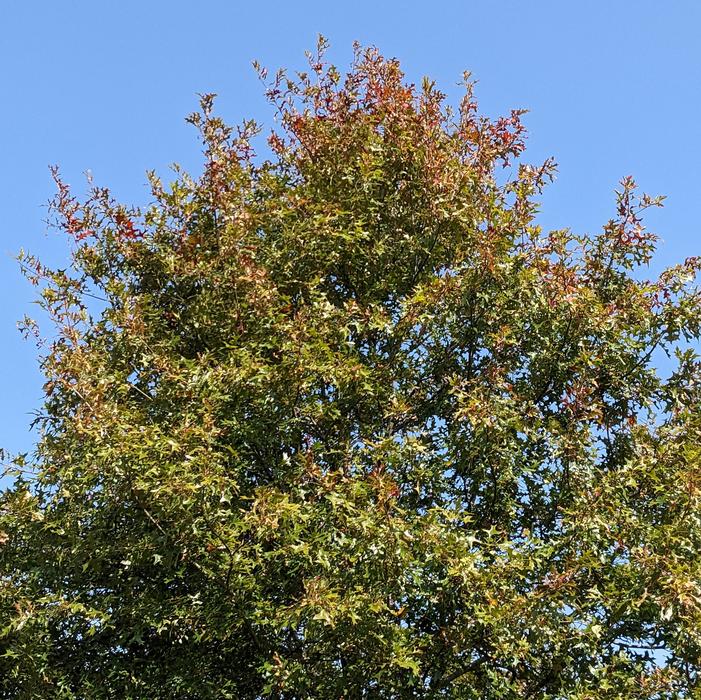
344	422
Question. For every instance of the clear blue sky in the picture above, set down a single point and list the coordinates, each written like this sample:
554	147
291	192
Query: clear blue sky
613	88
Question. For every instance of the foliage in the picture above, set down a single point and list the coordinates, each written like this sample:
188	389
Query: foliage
344	422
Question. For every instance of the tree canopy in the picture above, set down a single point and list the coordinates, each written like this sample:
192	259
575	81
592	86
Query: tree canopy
336	418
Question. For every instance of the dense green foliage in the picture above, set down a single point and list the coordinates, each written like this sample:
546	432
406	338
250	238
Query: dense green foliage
344	422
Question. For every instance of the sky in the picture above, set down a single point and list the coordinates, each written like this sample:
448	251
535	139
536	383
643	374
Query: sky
613	88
